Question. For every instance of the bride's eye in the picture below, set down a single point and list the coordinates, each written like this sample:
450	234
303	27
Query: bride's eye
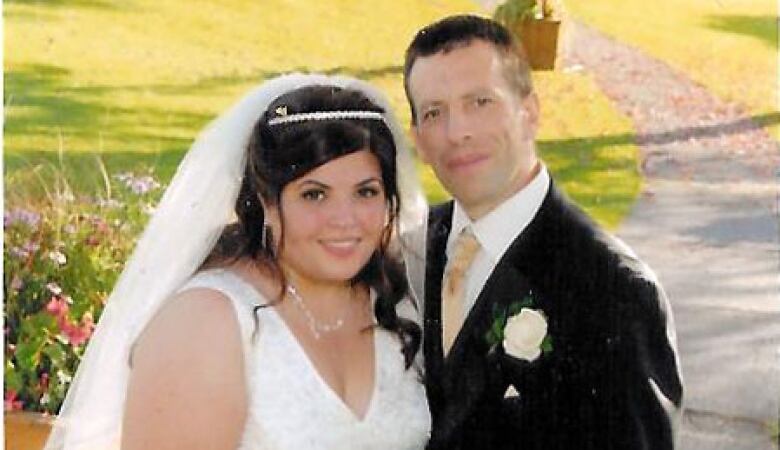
313	194
369	191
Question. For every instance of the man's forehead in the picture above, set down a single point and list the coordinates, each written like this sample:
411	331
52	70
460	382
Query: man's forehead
436	75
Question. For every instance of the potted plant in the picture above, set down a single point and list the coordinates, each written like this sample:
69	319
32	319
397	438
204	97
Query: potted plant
61	258
536	24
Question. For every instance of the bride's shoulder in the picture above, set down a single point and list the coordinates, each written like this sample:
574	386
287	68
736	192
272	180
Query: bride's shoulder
244	282
191	318
195	333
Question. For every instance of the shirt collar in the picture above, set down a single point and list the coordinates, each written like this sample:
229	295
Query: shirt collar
499	228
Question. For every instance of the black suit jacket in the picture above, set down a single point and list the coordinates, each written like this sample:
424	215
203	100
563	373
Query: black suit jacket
611	380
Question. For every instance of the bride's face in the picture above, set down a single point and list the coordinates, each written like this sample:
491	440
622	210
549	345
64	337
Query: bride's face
333	219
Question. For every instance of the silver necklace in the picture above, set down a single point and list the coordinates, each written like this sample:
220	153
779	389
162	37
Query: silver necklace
317	328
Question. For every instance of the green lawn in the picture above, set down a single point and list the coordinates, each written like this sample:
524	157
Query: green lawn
129	84
729	46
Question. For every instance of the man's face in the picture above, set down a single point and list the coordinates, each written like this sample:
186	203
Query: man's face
472	126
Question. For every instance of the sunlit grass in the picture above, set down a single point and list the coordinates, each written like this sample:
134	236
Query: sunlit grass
588	145
131	83
729	46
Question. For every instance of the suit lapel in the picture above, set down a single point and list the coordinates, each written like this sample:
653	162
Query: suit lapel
465	370
508	283
438	231
505	286
470	373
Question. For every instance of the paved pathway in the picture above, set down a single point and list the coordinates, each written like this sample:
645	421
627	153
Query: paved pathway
707	222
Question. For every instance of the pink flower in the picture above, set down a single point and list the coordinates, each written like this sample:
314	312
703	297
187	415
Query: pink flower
77	335
100	225
57	306
11	403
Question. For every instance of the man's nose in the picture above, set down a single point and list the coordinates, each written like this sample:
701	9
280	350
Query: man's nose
459	126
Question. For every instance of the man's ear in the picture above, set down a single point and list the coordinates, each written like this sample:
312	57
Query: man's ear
531	106
420	150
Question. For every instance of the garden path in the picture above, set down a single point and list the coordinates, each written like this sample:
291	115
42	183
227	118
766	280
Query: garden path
707	222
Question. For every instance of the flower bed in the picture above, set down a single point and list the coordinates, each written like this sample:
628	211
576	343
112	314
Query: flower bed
61	258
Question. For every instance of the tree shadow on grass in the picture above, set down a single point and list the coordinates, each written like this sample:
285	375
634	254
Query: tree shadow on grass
763	28
48	115
44	109
216	83
677	135
55	129
600	185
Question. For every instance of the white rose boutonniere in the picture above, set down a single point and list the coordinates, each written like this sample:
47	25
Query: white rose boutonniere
521	329
524	334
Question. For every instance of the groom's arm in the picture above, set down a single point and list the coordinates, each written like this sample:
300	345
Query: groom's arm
642	380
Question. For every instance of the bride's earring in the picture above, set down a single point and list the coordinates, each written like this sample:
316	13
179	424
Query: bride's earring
267	239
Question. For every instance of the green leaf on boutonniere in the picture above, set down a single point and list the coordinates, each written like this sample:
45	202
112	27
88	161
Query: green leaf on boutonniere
516	307
495	334
547	345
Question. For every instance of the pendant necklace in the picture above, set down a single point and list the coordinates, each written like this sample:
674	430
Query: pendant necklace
317	328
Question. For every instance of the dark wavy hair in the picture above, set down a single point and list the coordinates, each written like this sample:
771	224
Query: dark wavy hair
281	153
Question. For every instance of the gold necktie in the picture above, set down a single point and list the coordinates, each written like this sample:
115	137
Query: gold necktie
452	301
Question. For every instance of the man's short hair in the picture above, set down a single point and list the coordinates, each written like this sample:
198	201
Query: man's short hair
461	30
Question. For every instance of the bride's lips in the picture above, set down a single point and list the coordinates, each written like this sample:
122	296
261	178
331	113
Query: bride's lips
342	247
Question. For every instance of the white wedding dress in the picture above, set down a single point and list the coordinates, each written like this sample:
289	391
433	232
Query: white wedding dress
292	408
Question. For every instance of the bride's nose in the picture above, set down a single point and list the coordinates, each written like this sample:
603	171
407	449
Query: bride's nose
342	213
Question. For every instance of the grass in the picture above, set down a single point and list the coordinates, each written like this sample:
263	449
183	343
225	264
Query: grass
588	145
133	82
129	84
729	46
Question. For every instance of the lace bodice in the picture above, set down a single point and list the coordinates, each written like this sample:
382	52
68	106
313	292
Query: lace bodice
292	407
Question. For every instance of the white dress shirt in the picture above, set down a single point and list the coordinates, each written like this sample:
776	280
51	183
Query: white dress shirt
496	231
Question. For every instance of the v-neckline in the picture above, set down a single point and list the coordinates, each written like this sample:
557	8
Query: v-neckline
324	384
313	368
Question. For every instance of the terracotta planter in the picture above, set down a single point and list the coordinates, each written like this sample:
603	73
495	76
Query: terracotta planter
26	430
540	41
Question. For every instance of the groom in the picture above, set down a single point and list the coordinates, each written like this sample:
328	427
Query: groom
541	331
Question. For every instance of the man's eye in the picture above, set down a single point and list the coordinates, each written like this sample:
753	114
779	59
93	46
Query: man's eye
313	194
482	101
430	114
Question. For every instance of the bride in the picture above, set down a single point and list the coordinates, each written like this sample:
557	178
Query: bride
287	324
